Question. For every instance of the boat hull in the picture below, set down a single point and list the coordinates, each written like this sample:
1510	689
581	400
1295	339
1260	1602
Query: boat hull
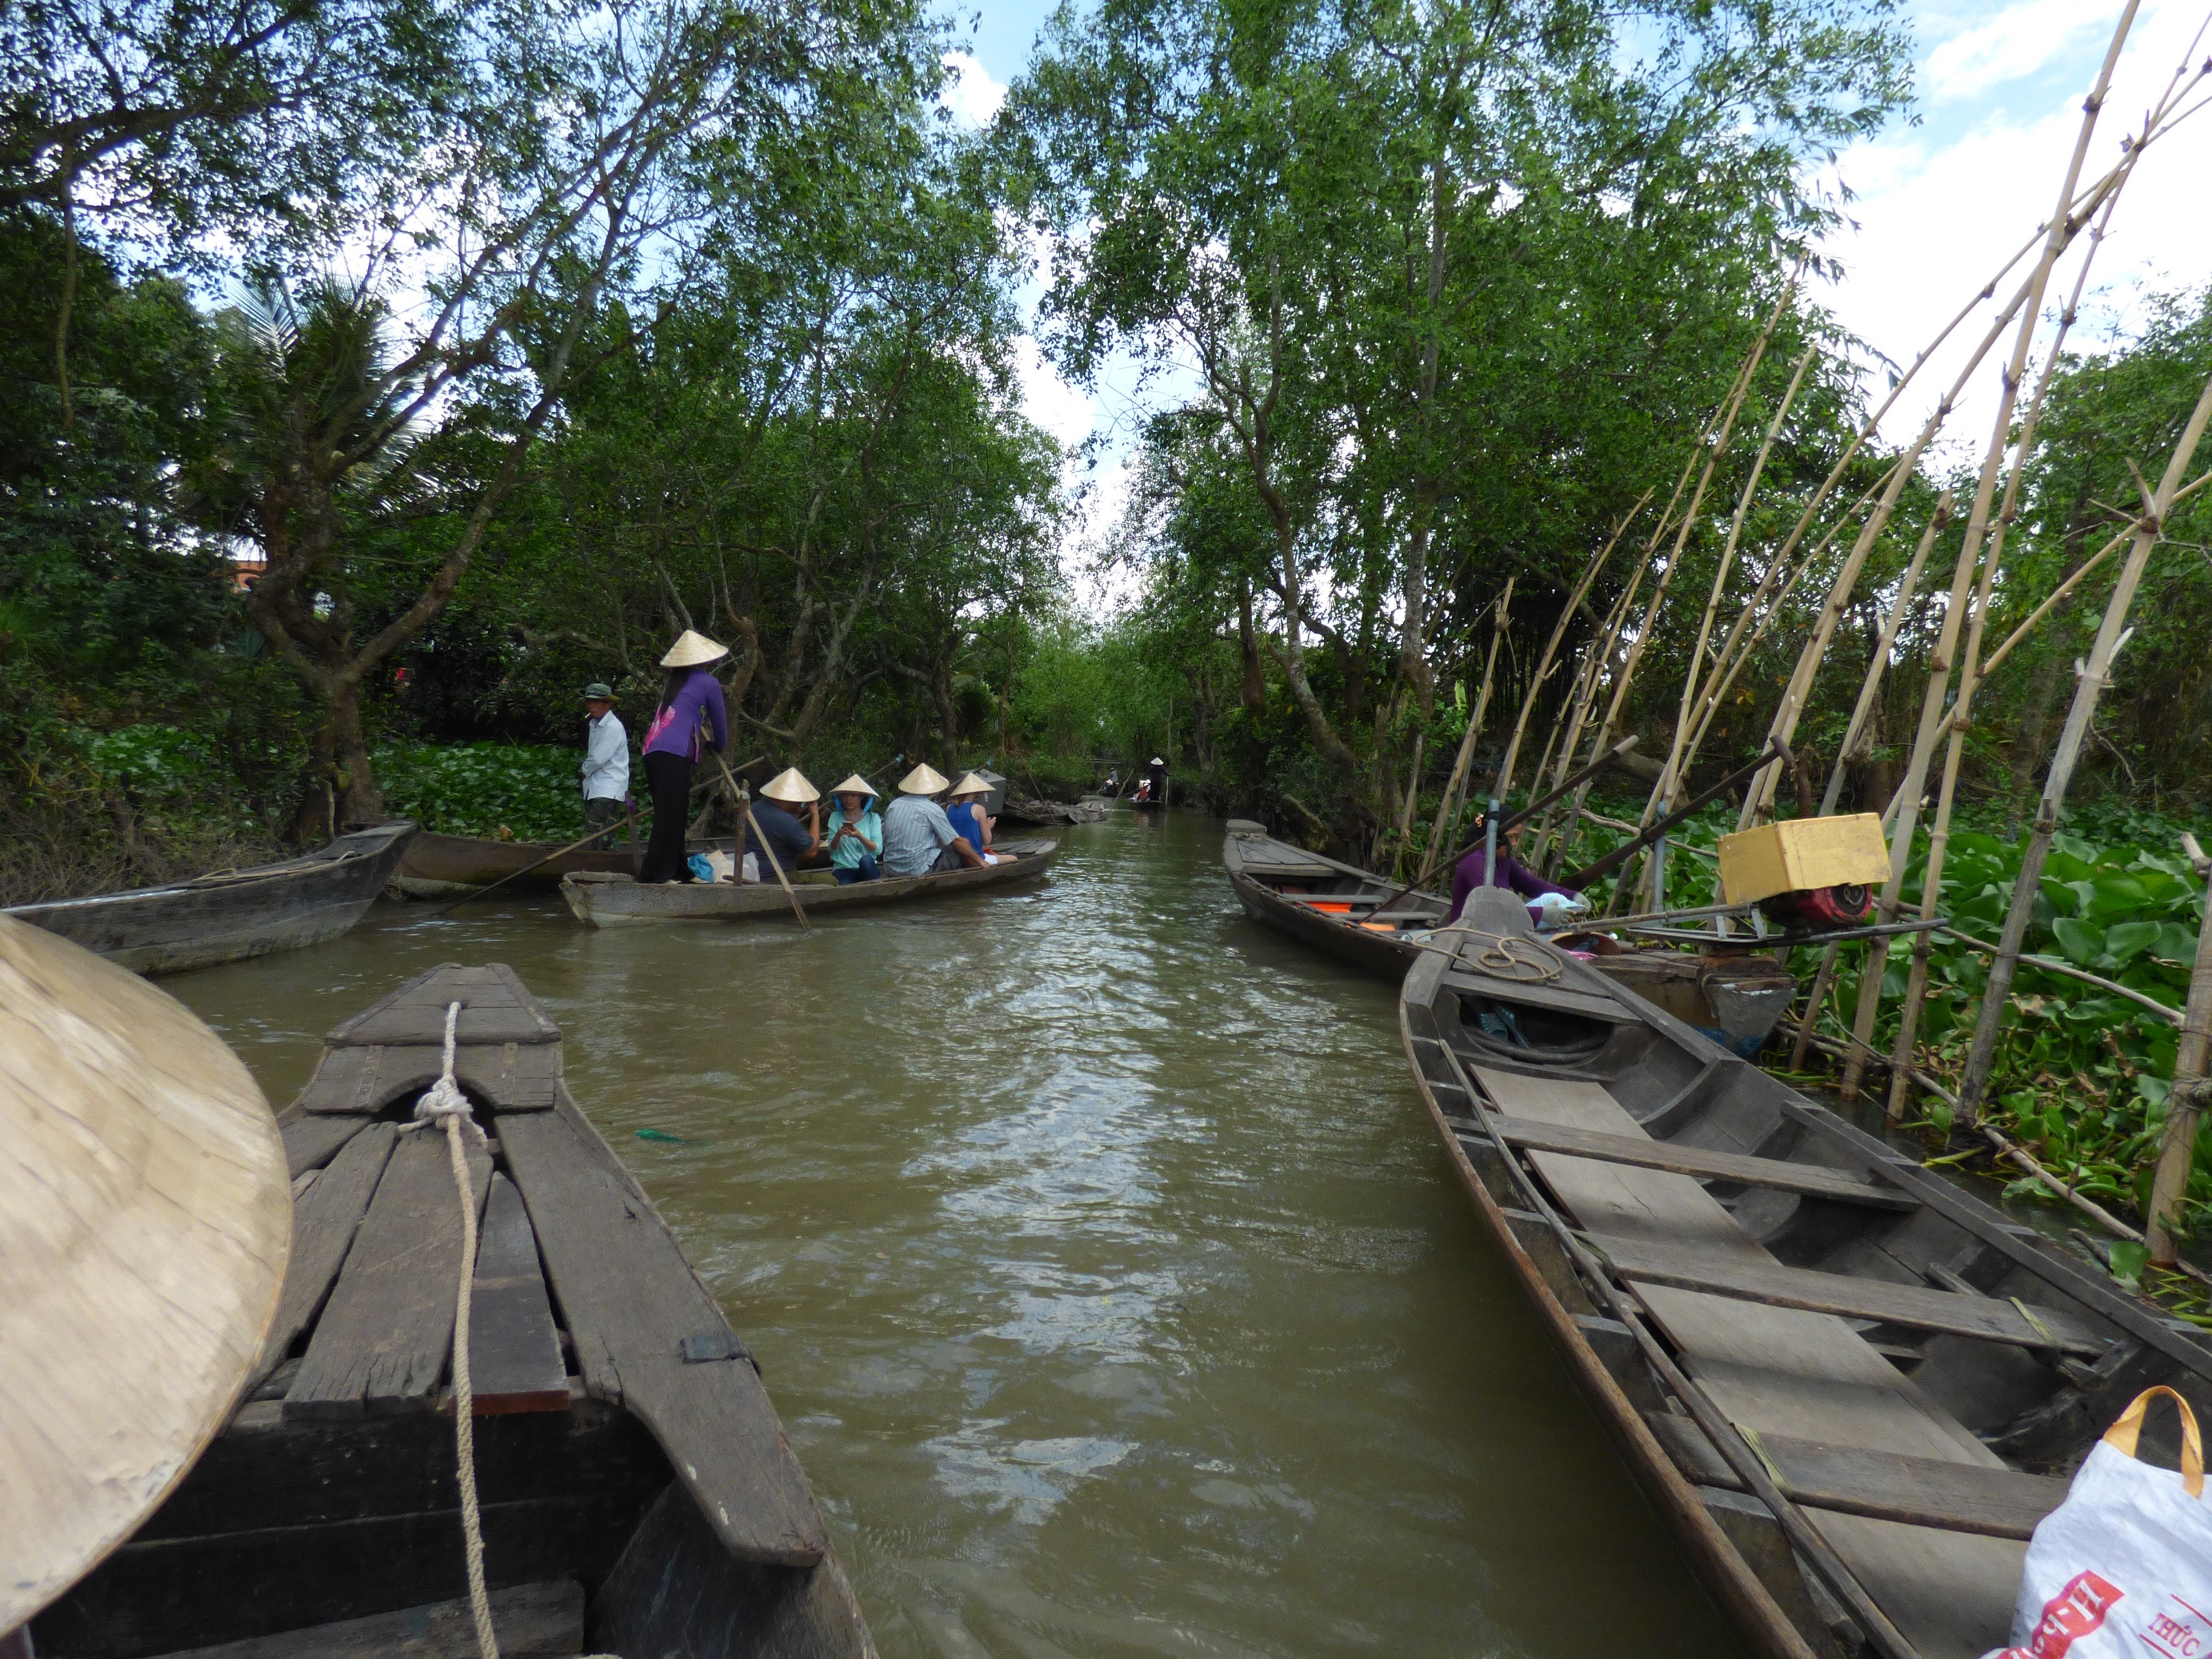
639	1496
449	866
618	901
217	918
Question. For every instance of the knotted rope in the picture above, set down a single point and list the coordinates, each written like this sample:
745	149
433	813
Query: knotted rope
443	1103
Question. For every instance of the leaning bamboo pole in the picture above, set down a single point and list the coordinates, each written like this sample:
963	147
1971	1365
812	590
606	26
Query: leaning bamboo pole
1504	781
1567	730
2185	1101
1824	976
2098	670
1666	792
1971	674
1447	808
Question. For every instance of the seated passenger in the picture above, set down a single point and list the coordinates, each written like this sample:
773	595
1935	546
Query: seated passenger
1509	873
918	840
775	819
856	833
968	817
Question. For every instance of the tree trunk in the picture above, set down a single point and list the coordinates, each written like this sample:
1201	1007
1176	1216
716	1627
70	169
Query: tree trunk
1253	692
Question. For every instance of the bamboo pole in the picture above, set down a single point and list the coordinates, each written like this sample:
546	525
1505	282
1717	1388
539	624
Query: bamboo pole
1503	782
1447	808
739	797
2148	530
1588	678
1412	799
2185	1101
1971	674
1666	792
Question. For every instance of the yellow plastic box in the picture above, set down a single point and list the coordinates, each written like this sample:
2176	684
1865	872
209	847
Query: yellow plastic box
1799	854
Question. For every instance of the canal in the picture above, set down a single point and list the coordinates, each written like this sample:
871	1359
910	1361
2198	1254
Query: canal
1099	1258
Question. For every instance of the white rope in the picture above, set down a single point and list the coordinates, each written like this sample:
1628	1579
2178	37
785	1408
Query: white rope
444	1103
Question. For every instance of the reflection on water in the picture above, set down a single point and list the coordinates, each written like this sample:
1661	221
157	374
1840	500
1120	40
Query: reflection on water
1099	1258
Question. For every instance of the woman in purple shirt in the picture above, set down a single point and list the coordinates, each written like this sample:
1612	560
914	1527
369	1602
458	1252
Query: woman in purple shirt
1510	872
691	699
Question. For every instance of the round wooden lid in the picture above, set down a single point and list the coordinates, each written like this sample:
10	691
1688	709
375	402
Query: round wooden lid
145	1220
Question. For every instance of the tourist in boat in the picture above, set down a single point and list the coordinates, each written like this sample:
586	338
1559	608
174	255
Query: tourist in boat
1510	872
606	761
786	821
691	710
856	832
919	839
968	816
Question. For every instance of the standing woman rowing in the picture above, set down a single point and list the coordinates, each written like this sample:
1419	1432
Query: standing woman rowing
690	699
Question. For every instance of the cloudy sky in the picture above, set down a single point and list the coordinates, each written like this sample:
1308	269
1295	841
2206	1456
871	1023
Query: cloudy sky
1939	202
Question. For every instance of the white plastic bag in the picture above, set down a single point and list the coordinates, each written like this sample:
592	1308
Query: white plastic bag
2124	1566
750	872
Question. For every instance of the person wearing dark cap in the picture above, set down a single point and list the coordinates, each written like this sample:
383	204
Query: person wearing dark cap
606	762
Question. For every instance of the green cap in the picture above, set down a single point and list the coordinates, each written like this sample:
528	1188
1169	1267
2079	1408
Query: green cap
598	691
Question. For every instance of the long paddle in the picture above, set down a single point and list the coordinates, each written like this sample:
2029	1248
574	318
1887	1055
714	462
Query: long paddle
629	818
1621	854
767	852
1528	811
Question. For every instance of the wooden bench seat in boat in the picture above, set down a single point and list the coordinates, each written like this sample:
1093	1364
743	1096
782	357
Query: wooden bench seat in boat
1784	1372
1640	1150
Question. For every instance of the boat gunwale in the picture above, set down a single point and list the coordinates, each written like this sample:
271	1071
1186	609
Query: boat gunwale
769	901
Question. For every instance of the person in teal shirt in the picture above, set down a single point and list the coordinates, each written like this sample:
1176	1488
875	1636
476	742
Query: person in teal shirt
854	833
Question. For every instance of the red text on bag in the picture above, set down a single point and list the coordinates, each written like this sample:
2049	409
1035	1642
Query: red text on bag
2068	1616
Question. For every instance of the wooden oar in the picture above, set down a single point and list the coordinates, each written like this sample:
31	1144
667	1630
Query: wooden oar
767	852
629	818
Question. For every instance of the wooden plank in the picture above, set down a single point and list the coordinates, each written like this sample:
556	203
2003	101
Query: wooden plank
387	1331
312	1139
514	1352
1923	1491
1915	1306
1556	997
516	1077
325	1218
495	1009
630	1299
1787	1372
530	1621
1644	1152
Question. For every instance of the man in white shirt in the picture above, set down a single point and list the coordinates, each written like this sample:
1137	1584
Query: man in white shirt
606	762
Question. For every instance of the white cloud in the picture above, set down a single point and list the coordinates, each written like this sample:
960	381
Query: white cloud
971	92
2016	42
1061	408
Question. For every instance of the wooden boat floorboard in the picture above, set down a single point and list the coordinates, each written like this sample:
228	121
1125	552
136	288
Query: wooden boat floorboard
1783	1371
1733	1167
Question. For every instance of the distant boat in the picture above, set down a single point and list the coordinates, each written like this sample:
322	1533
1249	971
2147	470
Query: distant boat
231	913
1736	1000
638	1494
1848	1387
610	901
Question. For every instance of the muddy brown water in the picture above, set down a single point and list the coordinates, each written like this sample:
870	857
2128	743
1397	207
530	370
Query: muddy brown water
1099	1258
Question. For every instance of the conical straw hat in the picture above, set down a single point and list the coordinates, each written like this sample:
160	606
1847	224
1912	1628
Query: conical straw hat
856	784
973	784
924	780
145	1219
791	785
691	649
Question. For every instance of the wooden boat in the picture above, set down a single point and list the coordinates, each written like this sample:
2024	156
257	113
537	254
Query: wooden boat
609	901
448	866
1735	999
1850	1388
231	913
638	1495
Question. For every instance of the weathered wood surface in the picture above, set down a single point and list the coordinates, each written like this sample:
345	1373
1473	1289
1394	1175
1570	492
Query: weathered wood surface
530	1621
514	1352
495	1008
1787	1372
312	1141
1915	1307
521	1077
324	1221
630	1298
1641	1150
145	1218
384	1338
1921	1491
606	902
248	913
442	867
